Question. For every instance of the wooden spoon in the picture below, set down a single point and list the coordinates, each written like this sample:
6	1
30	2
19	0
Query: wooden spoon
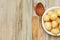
39	11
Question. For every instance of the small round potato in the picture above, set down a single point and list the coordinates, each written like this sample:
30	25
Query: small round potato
55	31
53	16
48	25
58	12
52	21
55	10
50	13
58	20
54	24
46	18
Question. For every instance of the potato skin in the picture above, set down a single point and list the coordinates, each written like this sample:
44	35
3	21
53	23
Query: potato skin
58	12
54	24
46	18
48	25
50	13
53	16
55	31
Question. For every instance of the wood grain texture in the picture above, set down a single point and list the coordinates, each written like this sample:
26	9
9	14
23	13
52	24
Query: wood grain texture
34	27
40	30
7	19
16	19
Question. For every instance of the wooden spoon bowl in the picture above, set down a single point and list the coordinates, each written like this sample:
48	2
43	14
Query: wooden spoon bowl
39	9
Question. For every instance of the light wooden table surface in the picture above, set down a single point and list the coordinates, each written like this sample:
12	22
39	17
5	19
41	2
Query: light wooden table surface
16	19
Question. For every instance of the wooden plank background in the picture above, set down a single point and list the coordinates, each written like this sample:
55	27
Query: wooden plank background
16	19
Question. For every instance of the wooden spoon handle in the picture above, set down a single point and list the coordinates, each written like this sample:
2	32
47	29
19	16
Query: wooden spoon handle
41	30
37	33
34	27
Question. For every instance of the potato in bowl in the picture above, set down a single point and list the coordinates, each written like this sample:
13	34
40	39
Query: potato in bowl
51	21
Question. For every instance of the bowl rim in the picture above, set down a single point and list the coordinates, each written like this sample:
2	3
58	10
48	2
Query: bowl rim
43	21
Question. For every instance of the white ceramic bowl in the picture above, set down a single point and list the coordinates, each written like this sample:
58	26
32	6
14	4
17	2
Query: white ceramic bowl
43	21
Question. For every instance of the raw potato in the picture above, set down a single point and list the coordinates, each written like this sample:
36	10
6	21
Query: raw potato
53	16
46	18
48	25
54	24
58	20
55	31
